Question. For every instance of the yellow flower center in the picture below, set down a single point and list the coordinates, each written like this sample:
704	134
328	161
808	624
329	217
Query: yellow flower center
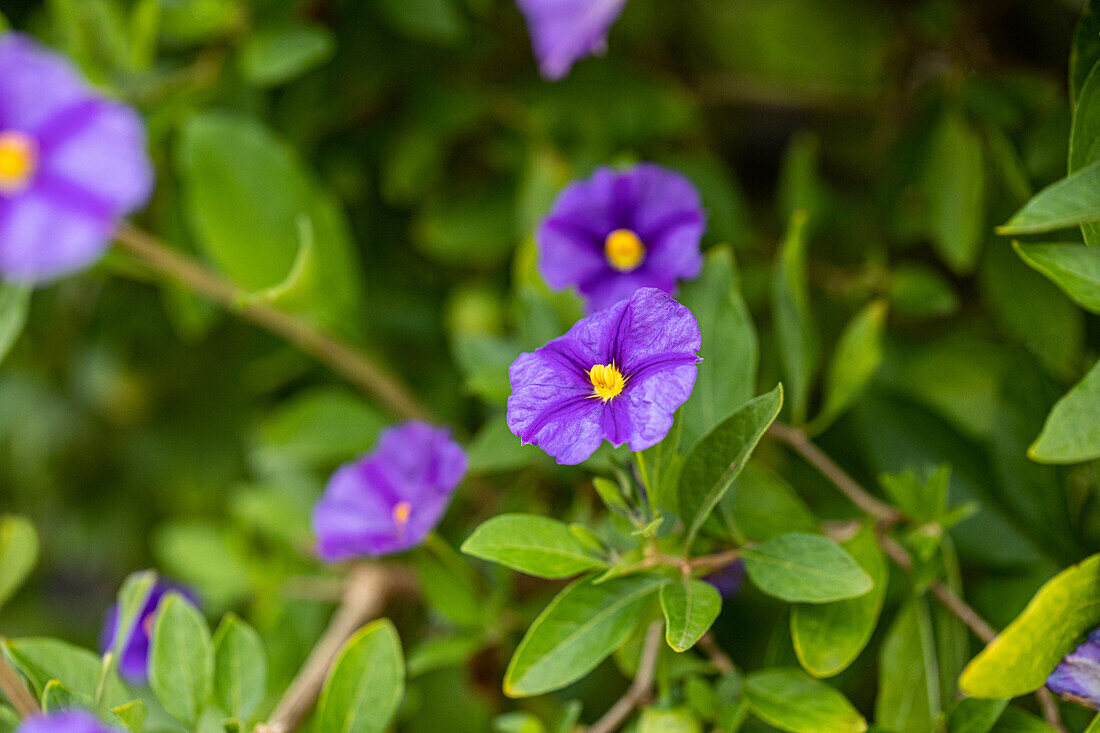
607	381
624	250
401	513
18	160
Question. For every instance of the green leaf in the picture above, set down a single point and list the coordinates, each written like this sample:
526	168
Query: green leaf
57	697
518	722
578	629
436	21
805	568
1022	656
272	56
80	670
690	608
761	505
908	696
953	184
530	544
668	720
240	668
794	324
181	659
1071	433
1014	720
1085	51
971	715
918	291
15	303
1072	201
18	553
132	715
858	355
450	585
791	700
718	458
727	374
132	597
366	684
1074	268
828	637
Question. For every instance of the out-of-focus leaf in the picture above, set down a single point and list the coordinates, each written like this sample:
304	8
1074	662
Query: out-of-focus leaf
181	659
476	229
15	302
1075	268
518	722
828	637
921	292
579	629
1072	201
439	653
1072	430
132	715
18	553
909	697
450	586
206	557
805	568
761	505
671	720
714	463
727	374
80	670
690	607
132	597
953	184
1084	138
1022	656
495	448
240	668
366	684
793	701
858	355
972	715
271	56
194	21
794	325
57	697
1085	51
435	21
530	544
1015	720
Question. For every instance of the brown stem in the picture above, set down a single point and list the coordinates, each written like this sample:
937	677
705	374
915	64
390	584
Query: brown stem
364	598
355	366
17	693
716	654
641	689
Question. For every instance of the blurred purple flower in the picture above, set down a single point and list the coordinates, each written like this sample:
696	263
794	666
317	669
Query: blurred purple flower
565	31
133	662
728	580
71	164
1077	677
65	721
619	374
619	231
390	499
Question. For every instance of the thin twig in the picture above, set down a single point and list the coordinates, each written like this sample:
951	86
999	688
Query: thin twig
355	366
641	689
16	692
368	587
716	654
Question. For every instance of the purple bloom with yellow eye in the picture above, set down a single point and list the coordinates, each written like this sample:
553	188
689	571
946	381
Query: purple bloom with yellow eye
619	374
133	661
619	231
390	499
71	165
1077	677
565	31
65	721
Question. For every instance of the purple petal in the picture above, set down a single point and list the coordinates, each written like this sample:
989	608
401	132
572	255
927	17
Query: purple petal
65	721
654	325
35	84
564	31
133	664
41	238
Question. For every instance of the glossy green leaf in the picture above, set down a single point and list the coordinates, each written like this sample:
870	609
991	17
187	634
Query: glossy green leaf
791	700
1072	430
794	325
15	303
272	56
908	692
80	670
1084	138
578	629
240	668
1022	656
828	637
727	374
18	553
972	715
718	458
56	697
1074	268
805	568
668	720
858	355
132	715
1072	201
953	184
366	684
181	659
531	544
690	607
132	597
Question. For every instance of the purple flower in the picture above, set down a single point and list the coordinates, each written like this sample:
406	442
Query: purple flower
728	580
64	721
565	31
619	374
71	164
620	231
390	499
1077	677
133	662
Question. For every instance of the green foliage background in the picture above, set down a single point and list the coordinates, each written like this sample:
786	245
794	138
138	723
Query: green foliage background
380	166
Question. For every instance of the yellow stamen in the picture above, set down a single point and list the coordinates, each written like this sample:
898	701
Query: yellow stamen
607	381
401	512
624	250
18	161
